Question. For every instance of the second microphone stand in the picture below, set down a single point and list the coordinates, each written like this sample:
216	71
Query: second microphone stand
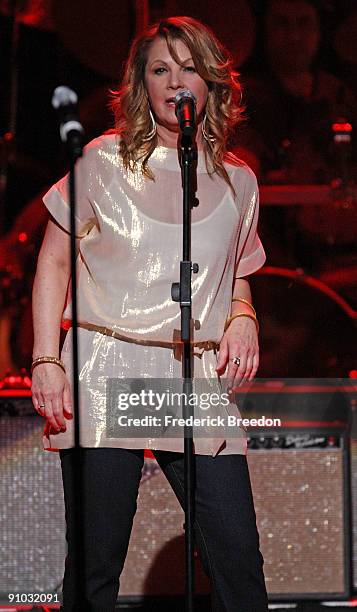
182	292
79	561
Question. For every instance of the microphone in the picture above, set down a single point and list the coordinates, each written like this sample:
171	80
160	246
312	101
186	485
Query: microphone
185	110
64	101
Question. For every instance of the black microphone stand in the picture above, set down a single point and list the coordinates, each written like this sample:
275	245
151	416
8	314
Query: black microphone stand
74	151
181	292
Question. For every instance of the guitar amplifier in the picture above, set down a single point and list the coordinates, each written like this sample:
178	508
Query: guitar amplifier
300	479
32	525
300	485
300	475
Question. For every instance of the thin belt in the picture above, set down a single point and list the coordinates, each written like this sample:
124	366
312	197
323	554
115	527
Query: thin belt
204	344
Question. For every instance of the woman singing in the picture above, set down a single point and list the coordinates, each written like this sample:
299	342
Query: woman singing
129	237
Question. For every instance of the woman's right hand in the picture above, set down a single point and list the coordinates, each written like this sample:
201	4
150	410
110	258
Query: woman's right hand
51	389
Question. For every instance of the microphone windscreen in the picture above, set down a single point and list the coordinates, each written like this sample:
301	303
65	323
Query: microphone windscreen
62	96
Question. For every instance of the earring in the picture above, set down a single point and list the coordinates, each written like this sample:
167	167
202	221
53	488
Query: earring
205	134
152	132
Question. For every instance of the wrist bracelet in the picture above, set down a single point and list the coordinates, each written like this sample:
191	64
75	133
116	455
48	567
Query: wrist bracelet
47	359
244	301
242	314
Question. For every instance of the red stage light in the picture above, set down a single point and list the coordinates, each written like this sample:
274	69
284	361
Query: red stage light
22	237
342	127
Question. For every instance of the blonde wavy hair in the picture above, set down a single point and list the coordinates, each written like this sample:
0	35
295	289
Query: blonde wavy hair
212	62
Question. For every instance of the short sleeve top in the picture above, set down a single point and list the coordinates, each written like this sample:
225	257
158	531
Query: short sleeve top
131	241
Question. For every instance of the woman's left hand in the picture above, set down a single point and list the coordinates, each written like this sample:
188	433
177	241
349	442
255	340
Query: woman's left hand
239	340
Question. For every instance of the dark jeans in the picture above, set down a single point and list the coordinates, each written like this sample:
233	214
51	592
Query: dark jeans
225	525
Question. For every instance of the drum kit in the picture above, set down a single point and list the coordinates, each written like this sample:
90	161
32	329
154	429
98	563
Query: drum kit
307	310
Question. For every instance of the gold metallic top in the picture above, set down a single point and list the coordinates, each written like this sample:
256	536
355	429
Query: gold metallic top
130	251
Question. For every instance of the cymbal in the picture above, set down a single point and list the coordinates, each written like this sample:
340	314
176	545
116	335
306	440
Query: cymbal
97	33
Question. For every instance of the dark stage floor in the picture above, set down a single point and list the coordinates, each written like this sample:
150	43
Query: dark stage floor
204	606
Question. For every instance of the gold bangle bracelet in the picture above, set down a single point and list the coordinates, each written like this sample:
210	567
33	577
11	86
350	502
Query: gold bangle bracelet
47	359
244	301
242	314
